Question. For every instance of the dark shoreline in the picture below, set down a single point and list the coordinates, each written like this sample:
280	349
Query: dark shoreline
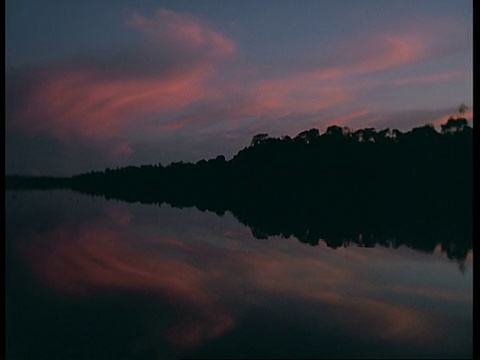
362	187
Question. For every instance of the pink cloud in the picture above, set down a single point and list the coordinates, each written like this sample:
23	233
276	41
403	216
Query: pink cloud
300	93
77	105
79	102
175	81
173	29
377	52
326	88
121	149
85	101
348	119
386	51
438	121
430	78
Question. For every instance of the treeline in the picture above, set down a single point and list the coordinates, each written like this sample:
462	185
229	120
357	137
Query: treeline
342	185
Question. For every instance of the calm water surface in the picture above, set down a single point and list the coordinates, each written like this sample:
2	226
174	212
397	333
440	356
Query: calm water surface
88	278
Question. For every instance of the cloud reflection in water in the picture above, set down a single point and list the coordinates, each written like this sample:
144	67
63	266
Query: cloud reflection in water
211	275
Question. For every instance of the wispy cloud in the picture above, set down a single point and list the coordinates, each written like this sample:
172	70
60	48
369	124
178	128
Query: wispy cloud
98	98
430	78
175	81
343	82
183	32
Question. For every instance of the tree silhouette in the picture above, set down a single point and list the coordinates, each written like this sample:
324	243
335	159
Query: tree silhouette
308	136
462	109
259	139
454	126
334	131
414	187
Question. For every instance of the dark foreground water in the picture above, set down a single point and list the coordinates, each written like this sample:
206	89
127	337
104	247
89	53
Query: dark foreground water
88	278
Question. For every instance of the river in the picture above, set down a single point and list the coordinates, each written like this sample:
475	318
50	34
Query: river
89	278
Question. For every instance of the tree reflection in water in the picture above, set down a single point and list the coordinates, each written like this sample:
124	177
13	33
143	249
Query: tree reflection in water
197	285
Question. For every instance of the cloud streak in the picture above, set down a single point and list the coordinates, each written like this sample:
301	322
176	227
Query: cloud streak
176	81
93	99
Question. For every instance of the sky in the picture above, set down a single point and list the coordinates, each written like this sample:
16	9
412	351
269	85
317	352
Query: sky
97	84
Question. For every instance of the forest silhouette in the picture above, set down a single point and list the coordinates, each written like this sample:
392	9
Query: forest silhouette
364	187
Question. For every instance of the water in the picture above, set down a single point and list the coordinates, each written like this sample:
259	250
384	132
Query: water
88	278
